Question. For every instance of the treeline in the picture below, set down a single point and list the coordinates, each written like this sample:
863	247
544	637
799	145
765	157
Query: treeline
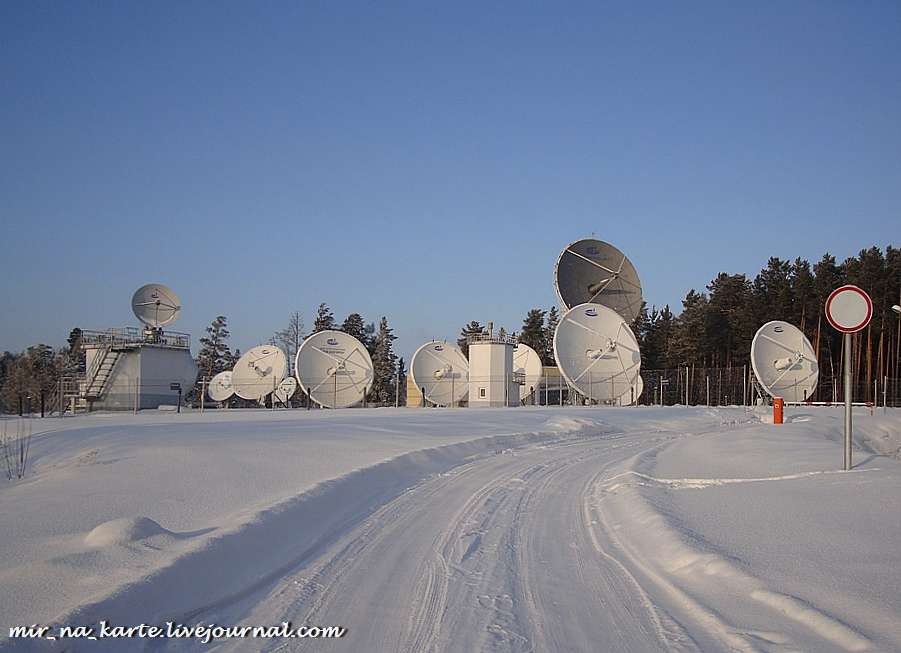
216	356
716	325
715	328
31	377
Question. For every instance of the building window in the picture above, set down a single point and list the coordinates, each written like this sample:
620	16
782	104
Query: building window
481	393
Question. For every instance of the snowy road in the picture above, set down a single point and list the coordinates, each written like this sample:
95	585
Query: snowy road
535	530
504	553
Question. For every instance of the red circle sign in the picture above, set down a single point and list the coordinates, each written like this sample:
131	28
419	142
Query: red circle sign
849	309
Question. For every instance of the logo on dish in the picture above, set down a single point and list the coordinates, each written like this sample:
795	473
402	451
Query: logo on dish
332	342
778	329
592	251
591	312
439	348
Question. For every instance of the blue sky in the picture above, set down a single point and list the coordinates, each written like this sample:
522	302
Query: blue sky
427	161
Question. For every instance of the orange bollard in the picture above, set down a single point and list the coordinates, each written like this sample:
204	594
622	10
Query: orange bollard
778	405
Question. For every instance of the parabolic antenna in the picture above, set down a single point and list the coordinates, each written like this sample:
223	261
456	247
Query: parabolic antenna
334	368
259	371
286	389
220	387
527	366
441	372
593	271
784	362
155	305
596	351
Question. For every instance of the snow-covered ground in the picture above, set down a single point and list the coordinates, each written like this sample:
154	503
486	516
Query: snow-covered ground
545	529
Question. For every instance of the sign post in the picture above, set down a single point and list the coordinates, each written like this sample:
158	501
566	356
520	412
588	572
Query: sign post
177	386
849	310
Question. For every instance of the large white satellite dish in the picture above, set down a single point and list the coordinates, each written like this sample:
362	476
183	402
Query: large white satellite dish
596	351
334	368
527	366
259	371
220	387
441	372
286	389
784	362
155	305
592	271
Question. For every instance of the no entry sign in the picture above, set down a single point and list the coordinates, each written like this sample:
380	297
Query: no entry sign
849	309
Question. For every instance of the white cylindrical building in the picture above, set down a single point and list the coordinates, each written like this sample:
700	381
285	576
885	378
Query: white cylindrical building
491	378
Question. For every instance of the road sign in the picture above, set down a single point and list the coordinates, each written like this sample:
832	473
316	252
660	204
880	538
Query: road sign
849	309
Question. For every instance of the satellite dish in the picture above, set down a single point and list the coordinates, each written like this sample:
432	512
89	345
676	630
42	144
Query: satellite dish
155	305
220	387
596	351
527	366
784	362
334	368
441	372
259	371
286	389
592	271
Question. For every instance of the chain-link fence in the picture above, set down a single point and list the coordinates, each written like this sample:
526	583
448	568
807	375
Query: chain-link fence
668	387
726	386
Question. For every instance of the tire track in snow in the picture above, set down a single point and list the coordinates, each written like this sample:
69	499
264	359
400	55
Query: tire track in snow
632	622
455	564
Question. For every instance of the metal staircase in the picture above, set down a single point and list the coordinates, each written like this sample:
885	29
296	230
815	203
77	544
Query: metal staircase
101	371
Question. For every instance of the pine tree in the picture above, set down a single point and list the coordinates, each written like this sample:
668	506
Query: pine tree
827	341
325	320
401	382
687	346
368	338
773	291
214	353
532	333
474	328
74	339
353	325
803	289
290	338
75	355
7	361
384	363
553	319
730	323
640	327
661	334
